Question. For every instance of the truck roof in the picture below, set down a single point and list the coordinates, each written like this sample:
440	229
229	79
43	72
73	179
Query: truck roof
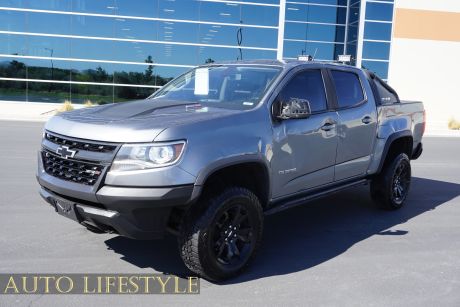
286	64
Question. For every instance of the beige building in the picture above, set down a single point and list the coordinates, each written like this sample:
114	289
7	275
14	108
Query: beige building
425	57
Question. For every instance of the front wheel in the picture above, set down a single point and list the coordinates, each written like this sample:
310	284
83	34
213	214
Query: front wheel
390	188
220	242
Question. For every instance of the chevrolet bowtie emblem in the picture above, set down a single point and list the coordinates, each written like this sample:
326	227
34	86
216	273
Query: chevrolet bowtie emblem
65	152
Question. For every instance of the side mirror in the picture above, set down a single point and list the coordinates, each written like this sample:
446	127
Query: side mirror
294	108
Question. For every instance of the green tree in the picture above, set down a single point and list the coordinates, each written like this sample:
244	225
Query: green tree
149	70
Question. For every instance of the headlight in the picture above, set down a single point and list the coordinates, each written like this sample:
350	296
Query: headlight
133	157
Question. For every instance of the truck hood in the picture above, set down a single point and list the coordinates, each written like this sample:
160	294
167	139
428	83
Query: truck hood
136	121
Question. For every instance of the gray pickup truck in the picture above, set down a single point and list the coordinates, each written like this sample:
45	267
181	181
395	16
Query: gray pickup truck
215	149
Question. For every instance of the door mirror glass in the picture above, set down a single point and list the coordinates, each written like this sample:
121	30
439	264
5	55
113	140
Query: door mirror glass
294	108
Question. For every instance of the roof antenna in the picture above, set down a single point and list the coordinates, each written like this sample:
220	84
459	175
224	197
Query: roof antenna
314	55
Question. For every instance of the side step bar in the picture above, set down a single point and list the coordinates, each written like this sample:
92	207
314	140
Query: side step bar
294	202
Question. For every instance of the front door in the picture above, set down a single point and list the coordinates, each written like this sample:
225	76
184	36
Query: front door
304	150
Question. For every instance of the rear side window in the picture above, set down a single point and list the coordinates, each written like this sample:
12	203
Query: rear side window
385	95
307	85
348	88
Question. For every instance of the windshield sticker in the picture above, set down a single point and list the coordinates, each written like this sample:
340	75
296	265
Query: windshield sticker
247	103
201	81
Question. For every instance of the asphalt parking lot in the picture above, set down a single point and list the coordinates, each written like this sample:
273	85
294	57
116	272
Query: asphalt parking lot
338	251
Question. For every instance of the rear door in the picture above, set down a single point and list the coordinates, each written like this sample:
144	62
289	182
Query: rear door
357	122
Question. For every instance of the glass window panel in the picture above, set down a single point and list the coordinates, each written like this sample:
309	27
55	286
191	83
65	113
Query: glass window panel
207	54
379	11
379	68
49	46
351	50
96	94
374	50
324	51
49	23
355	3
125	93
352	32
13	90
56	5
178	32
13	21
142	8
13	44
92	72
220	12
179	9
13	3
93	26
227	35
348	88
159	53
92	49
48	69
134	74
330	2
262	1
260	15
330	33
313	13
233	13
377	30
353	14
48	92
164	74
13	68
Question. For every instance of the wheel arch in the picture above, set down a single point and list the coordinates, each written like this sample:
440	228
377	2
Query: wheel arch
246	171
398	142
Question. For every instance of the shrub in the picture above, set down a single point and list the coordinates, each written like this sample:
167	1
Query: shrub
88	103
66	106
454	124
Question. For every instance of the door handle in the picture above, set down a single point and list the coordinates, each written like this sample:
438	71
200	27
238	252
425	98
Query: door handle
366	120
328	126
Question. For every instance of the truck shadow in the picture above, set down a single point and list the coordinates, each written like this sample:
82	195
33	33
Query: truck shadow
303	237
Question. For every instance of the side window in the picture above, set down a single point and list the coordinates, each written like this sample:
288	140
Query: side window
348	88
307	85
385	95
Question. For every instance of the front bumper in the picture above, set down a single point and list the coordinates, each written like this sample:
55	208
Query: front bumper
140	213
134	212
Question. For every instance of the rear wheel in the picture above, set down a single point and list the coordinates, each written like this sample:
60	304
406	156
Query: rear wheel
390	188
221	241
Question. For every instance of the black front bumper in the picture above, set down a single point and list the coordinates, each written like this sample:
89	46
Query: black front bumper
138	213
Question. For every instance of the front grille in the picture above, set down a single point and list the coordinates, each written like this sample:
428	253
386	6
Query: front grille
71	170
80	144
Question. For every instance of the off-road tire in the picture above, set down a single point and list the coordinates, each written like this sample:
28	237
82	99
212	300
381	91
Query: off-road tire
384	187
199	228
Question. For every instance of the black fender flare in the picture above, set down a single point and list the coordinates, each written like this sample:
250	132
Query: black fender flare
392	138
220	164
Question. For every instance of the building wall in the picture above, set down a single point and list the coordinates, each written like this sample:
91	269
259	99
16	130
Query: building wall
115	50
424	61
375	40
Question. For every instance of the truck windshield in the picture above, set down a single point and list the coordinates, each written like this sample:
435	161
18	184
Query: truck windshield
223	86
